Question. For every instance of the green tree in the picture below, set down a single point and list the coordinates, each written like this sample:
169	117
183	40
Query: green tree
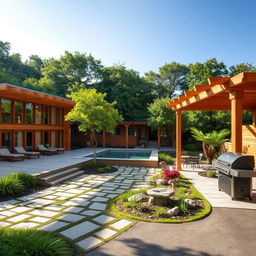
211	141
199	72
93	113
170	81
160	115
242	67
131	92
72	69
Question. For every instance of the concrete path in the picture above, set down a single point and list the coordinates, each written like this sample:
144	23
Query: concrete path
76	209
226	232
209	188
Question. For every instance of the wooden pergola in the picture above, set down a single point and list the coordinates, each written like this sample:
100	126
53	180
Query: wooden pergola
236	94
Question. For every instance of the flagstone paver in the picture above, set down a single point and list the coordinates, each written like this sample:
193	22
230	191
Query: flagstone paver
121	224
103	219
106	233
80	230
83	199
89	242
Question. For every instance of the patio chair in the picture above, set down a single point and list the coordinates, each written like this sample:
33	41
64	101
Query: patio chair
46	151
6	154
59	150
21	150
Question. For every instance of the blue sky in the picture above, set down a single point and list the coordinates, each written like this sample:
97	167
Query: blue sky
142	34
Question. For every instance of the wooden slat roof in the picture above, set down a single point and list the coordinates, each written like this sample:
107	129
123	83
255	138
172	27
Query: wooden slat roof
28	95
215	95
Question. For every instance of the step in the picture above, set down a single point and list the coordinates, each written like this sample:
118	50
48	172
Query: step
56	175
65	178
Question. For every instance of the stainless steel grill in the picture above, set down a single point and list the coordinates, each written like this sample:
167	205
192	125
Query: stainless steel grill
235	174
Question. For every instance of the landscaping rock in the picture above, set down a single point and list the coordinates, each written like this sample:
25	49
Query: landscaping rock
191	203
150	201
136	197
161	195
161	182
174	211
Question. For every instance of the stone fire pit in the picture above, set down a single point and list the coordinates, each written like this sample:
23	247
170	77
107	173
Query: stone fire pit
160	196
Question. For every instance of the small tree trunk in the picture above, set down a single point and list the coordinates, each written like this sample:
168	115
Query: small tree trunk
94	144
209	152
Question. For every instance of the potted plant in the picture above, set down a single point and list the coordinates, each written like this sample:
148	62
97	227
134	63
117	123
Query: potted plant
143	143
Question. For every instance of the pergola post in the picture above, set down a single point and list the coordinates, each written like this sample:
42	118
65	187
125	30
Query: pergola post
104	139
178	138
126	136
236	120
158	137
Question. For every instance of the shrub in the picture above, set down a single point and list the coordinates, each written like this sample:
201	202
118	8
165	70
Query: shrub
90	165
108	168
132	203
181	193
10	186
30	242
211	173
160	211
183	207
101	169
166	158
26	180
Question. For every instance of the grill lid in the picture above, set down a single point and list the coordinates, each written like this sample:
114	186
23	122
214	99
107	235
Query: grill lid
237	161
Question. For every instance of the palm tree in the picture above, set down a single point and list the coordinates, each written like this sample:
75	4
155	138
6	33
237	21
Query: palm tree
211	141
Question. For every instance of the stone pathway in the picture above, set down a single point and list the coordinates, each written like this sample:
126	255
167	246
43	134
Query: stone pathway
76	209
209	188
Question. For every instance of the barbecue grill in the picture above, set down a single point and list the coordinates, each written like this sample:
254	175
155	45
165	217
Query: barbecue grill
235	174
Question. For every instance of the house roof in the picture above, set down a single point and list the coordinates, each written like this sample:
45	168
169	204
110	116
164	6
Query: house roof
216	94
25	94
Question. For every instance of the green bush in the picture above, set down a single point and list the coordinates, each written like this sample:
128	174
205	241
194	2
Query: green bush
28	242
101	169
160	211
108	168
10	186
132	203
90	165
165	157
183	207
26	180
211	173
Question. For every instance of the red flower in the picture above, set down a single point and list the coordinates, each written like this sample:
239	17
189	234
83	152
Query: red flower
170	174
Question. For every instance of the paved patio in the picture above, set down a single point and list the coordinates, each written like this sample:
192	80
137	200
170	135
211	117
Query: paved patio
76	209
209	188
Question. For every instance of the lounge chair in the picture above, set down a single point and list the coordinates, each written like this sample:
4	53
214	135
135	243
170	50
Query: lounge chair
59	150
5	154
21	150
46	151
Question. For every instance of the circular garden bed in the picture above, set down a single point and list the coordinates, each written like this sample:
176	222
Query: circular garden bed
184	204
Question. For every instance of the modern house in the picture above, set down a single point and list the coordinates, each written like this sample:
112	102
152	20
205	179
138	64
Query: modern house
234	94
29	118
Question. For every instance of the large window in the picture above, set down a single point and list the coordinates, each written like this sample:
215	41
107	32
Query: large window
46	139
29	141
60	139
6	140
53	117
18	139
132	131
38	109
46	115
60	116
6	111
117	131
29	113
19	112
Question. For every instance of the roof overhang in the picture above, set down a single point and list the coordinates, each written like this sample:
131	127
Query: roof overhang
216	95
27	95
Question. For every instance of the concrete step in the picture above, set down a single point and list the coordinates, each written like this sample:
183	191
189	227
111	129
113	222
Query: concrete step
65	178
59	174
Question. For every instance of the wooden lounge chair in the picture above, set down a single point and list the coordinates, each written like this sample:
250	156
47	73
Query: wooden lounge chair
21	150
5	154
46	151
59	150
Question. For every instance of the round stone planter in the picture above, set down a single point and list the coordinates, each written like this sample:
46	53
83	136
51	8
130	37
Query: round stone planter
161	196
